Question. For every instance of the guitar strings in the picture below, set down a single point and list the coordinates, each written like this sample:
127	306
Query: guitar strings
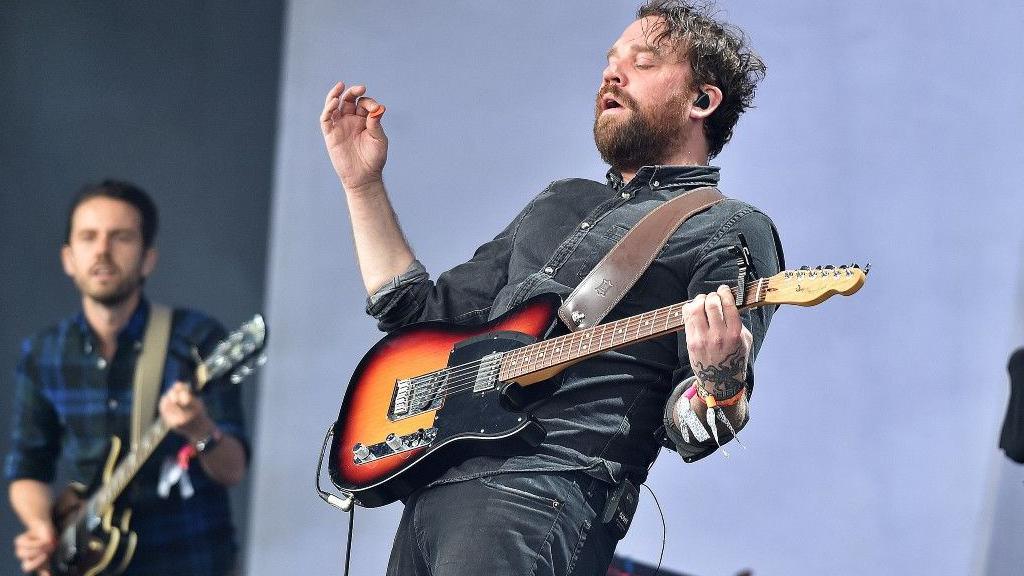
459	381
463	377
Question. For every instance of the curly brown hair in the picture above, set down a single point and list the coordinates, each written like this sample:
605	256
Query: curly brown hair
719	55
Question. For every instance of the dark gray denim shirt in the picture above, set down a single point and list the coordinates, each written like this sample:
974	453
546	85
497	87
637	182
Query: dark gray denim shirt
603	414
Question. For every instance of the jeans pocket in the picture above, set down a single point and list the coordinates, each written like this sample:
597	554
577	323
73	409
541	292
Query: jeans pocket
535	489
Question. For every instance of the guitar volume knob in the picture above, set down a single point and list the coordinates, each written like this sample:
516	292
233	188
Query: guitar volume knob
394	442
360	452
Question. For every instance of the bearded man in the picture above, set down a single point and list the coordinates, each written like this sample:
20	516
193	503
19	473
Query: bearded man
675	84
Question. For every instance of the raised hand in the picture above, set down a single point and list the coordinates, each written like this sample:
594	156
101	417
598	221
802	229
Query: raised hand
717	342
354	137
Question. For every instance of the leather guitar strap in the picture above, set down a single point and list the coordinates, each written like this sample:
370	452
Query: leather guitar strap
622	266
149	370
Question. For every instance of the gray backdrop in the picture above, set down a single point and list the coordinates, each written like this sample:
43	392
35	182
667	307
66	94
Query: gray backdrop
178	97
885	132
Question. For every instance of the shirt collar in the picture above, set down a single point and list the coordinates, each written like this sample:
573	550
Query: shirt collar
131	332
666	180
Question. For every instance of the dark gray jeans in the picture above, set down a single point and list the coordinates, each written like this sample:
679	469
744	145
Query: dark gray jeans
515	524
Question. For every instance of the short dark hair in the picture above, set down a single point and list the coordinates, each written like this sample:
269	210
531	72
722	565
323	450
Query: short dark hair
719	54
126	192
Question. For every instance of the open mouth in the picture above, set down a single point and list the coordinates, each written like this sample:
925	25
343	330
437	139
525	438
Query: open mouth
609	103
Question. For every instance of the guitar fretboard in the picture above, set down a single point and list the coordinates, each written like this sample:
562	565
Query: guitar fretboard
603	337
129	467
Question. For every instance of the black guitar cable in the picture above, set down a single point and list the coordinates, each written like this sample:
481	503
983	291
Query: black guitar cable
345	504
664	529
348	547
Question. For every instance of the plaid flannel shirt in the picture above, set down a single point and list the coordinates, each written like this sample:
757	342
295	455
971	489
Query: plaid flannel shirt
70	401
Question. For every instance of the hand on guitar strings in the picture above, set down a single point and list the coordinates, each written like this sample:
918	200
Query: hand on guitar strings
717	342
185	413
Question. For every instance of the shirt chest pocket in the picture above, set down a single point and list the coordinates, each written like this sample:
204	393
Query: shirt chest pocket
596	246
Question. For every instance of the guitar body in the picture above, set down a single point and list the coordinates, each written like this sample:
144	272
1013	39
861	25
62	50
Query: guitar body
426	397
432	394
88	544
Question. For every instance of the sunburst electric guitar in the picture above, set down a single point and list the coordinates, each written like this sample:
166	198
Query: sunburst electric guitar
91	541
431	393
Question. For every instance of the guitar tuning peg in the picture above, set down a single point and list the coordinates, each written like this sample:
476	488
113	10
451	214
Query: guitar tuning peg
817	267
867	268
237	378
829	267
261	360
805	268
842	266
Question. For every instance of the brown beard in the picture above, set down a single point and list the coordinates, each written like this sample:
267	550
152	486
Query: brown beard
640	139
117	294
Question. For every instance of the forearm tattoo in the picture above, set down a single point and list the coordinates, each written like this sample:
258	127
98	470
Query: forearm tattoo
725	379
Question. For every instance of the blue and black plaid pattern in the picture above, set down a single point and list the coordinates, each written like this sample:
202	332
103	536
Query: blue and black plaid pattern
70	402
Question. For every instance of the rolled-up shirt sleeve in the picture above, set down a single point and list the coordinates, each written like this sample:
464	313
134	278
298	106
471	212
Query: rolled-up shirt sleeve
462	295
35	426
716	266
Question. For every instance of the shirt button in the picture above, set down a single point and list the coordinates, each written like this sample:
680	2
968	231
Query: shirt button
112	404
655	184
549	270
625	195
101	363
585	225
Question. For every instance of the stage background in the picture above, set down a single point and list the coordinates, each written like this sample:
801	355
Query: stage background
885	132
178	97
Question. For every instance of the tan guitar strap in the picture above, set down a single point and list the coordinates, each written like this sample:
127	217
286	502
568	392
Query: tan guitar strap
149	370
622	266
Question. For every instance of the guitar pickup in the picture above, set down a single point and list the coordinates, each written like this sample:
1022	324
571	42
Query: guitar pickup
487	375
393	444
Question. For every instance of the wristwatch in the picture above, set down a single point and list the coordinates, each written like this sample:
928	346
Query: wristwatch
206	444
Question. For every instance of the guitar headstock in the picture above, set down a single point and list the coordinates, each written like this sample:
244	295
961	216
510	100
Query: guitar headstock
238	354
810	286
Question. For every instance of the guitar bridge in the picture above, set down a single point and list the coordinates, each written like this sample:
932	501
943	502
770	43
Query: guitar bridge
417	395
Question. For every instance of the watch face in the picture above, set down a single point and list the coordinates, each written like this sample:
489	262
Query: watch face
207	443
